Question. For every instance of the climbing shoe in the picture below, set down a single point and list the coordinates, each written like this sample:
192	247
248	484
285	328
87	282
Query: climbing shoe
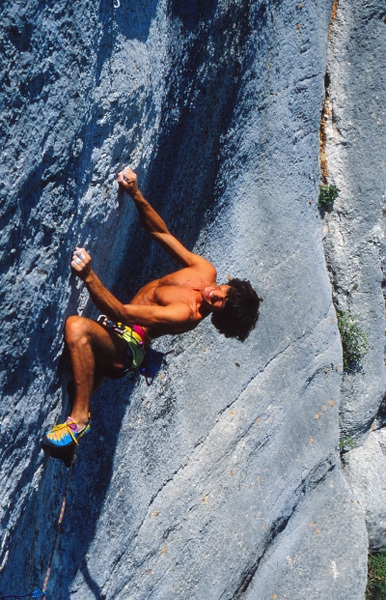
64	434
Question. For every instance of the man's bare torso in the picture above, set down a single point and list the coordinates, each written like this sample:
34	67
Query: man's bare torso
183	286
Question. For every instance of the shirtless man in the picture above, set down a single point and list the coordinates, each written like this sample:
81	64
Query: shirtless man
175	303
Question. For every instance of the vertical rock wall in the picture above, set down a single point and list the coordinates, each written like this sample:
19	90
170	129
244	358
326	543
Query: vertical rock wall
354	239
223	479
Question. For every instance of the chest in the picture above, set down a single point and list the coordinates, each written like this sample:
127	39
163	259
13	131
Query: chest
166	294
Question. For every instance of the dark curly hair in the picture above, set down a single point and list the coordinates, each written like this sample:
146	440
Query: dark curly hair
241	311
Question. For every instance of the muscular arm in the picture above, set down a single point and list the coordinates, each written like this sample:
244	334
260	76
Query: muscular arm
108	304
156	227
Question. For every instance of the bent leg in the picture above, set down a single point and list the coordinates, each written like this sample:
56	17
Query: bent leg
95	353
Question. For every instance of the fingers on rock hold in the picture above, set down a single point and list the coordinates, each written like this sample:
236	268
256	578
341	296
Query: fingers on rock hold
78	255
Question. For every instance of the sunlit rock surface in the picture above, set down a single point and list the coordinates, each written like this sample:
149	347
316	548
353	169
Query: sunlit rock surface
222	480
366	470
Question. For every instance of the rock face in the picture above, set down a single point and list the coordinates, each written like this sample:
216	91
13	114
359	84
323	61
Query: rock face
224	479
365	469
354	239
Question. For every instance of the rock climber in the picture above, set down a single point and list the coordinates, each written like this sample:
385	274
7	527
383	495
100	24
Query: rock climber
117	342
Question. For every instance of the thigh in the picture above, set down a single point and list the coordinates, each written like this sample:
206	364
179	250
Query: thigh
109	350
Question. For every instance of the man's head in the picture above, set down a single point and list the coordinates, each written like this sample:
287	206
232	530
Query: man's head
239	313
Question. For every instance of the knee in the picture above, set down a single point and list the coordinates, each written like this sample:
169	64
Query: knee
76	331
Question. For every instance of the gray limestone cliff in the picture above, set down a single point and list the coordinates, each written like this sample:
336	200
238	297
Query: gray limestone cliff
246	471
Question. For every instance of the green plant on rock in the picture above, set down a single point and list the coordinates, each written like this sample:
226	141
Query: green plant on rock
376	582
327	195
354	340
347	443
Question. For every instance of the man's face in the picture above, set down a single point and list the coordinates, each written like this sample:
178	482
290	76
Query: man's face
216	295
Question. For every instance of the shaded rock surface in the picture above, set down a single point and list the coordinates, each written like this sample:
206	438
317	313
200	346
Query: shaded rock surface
223	479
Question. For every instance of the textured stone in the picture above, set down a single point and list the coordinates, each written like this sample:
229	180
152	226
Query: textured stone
354	236
365	468
223	479
354	241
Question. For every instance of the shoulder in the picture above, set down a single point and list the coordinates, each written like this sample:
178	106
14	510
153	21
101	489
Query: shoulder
204	267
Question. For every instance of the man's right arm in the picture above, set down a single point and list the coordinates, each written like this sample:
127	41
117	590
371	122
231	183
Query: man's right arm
156	227
145	315
104	300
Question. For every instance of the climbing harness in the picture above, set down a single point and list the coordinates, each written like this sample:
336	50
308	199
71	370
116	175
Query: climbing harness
142	358
41	593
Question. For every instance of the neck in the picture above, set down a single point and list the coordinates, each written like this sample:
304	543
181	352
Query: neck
204	308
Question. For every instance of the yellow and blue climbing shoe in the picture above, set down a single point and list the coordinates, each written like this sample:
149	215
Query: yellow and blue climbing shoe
64	434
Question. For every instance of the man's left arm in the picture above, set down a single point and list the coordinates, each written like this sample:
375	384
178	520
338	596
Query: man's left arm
156	227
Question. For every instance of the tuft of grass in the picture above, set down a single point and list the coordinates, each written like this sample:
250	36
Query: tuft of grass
327	195
354	340
376	582
347	443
